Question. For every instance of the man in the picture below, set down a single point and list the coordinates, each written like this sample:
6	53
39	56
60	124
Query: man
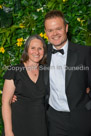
69	111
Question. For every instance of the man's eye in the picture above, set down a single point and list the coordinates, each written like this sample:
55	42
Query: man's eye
59	28
49	30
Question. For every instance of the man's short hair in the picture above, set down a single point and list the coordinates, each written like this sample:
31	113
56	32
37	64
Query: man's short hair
53	14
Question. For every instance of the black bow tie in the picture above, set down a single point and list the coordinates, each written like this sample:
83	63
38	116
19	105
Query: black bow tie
55	51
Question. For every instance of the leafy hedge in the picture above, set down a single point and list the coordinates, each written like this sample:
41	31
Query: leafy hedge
21	18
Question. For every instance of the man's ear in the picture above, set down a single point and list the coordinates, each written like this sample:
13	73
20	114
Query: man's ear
66	28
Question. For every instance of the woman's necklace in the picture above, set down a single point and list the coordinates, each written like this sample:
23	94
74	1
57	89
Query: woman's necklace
35	72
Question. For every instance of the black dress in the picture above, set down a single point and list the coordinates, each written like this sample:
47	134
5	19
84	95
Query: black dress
28	112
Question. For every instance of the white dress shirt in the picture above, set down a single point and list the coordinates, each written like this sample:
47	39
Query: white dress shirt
58	98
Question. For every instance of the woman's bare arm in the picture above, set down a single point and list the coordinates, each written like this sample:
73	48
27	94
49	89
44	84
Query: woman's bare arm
8	92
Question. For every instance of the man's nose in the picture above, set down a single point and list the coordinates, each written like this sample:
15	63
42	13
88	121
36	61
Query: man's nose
54	32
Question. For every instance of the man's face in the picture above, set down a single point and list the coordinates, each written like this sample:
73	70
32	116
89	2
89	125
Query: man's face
56	31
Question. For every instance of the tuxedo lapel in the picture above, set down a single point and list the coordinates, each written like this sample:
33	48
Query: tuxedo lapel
71	61
49	54
46	72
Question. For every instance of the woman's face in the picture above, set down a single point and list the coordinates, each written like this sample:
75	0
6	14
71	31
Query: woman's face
35	51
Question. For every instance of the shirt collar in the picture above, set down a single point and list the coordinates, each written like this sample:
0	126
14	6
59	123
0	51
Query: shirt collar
65	47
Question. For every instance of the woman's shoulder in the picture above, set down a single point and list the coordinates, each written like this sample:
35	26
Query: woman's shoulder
12	71
15	67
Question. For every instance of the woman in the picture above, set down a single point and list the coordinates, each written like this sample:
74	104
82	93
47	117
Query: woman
25	117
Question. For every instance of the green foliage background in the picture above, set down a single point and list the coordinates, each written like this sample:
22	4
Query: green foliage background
31	14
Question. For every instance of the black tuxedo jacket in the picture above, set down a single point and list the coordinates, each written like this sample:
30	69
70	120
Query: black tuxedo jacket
78	76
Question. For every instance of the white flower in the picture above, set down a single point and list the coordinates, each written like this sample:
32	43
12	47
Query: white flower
40	9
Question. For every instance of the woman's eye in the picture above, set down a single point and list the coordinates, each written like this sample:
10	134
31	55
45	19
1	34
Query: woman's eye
40	48
32	48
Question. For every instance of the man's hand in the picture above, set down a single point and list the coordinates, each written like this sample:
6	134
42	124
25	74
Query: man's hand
87	90
14	99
